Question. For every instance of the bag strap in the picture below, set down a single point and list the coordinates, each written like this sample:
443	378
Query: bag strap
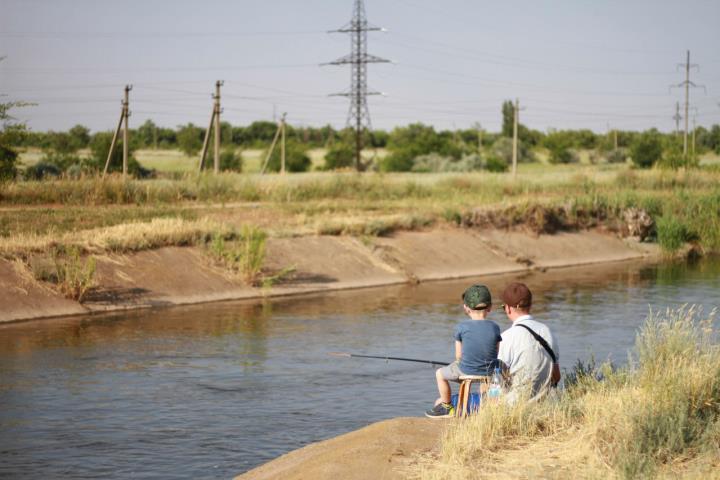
541	340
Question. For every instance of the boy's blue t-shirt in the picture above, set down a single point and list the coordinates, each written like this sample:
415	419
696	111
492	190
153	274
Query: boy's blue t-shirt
479	346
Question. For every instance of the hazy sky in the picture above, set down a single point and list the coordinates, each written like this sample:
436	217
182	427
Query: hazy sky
573	64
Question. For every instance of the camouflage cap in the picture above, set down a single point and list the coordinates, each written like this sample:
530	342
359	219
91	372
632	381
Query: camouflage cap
477	297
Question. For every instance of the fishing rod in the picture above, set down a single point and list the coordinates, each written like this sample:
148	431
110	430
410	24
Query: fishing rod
355	355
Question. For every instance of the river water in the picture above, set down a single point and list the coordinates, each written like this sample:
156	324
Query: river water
211	391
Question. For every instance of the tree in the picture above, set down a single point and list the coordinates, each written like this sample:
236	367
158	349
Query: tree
559	144
79	136
406	143
646	149
190	139
11	134
147	133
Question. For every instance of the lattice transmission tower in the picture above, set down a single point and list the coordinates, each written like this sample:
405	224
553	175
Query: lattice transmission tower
358	113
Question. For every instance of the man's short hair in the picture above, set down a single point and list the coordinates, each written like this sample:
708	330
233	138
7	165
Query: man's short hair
517	295
477	297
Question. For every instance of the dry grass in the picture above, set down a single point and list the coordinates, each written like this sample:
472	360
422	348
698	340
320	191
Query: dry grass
119	238
657	419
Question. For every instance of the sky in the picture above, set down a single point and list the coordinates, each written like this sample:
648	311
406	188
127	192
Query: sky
571	63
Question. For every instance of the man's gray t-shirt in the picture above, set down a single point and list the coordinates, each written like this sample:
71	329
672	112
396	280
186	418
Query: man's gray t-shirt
479	346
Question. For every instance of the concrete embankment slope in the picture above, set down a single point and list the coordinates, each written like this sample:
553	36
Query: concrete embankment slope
379	451
184	275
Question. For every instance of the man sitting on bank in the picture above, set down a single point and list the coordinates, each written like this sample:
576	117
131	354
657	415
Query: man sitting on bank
528	349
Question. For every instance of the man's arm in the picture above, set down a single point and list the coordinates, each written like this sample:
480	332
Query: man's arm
555	375
458	350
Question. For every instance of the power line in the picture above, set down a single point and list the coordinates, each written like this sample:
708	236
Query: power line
358	59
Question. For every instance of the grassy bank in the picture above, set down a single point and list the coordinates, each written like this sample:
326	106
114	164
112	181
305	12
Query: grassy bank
685	205
657	418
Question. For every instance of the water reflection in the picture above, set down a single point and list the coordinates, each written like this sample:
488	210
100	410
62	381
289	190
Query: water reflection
212	390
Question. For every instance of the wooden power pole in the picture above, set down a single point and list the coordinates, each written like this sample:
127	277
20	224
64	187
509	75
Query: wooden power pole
122	124
278	132
516	114
214	124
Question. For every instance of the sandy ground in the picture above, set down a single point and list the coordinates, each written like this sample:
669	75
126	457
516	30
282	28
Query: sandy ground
381	451
184	275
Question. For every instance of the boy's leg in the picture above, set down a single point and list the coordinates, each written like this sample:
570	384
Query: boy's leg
443	387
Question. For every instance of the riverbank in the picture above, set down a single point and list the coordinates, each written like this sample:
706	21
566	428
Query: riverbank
658	417
170	276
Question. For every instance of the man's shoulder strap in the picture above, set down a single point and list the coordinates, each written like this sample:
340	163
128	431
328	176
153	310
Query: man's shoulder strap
541	340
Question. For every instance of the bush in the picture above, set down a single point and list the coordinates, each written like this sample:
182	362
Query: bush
646	149
8	161
617	156
230	160
340	155
61	160
502	148
100	145
296	158
42	170
496	164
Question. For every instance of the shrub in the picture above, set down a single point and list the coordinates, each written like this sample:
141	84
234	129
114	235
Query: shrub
617	156
646	149
230	160
496	164
296	158
340	155
671	233
42	170
8	160
502	148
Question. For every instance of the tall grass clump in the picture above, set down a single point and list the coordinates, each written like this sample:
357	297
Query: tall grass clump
668	410
242	252
657	417
671	233
71	274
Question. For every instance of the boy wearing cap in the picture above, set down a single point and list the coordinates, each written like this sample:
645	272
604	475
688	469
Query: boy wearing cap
529	349
476	348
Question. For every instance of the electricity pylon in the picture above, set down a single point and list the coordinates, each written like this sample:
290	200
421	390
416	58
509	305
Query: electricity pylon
687	84
358	113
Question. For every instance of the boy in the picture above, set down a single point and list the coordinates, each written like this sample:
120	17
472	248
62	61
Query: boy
476	347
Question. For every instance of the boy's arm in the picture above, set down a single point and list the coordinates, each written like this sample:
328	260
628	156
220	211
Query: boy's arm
458	350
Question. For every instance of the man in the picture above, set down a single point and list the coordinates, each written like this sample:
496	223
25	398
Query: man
528	349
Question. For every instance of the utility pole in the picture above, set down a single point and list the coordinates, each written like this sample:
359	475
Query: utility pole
479	133
516	115
687	84
358	113
217	110
124	114
280	130
126	133
282	144
214	123
677	117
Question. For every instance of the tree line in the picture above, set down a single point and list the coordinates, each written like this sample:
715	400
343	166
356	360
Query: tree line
414	147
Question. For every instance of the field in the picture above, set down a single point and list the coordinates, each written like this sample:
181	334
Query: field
175	161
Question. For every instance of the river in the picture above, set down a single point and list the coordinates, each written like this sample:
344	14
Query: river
210	391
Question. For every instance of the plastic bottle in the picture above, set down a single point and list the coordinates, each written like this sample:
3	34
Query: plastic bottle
495	389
